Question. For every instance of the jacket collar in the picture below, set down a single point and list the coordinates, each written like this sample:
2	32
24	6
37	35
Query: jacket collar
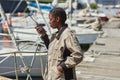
60	32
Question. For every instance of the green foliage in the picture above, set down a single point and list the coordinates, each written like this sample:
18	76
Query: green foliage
94	6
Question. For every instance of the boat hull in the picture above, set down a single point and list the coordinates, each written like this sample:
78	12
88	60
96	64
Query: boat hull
7	67
87	38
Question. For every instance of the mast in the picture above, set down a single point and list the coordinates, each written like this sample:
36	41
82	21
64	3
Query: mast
70	12
55	3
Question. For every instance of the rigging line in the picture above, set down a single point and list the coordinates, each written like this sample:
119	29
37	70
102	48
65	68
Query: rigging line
18	49
5	59
25	9
5	73
24	46
32	62
33	19
42	67
9	67
9	30
11	33
28	68
21	56
45	22
43	17
12	7
17	6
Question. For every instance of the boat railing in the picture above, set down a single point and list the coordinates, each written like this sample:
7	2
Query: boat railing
14	53
26	68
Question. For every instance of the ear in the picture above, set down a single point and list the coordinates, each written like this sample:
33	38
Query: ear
58	19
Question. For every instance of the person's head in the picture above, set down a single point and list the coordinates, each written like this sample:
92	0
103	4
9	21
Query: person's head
57	17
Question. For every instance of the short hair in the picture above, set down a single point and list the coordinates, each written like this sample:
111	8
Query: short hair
59	12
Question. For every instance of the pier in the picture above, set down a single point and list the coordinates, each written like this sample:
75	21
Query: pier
102	60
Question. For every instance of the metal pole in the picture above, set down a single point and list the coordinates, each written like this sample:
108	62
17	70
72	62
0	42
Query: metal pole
15	65
70	13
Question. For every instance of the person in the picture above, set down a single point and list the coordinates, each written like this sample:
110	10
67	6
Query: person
64	52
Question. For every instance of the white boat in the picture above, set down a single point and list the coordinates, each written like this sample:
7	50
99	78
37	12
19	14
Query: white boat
30	58
7	68
85	29
20	60
24	29
86	36
31	62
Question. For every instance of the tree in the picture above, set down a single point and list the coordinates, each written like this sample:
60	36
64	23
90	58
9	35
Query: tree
93	6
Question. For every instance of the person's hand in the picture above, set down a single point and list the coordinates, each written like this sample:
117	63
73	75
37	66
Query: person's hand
40	30
59	68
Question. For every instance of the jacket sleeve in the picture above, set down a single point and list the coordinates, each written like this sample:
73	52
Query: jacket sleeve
76	55
46	40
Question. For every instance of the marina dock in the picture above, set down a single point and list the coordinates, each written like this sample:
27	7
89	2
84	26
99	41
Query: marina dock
102	60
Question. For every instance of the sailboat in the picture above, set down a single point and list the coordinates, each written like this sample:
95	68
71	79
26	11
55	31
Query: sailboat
20	59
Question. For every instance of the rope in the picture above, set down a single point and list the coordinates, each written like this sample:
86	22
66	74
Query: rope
5	73
9	72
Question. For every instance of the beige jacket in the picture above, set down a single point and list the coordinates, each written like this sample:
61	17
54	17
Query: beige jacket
63	50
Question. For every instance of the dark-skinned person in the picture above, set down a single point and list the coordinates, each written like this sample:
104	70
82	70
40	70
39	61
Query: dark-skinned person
64	52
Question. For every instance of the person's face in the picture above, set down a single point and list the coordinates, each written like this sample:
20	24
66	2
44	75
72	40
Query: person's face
53	21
